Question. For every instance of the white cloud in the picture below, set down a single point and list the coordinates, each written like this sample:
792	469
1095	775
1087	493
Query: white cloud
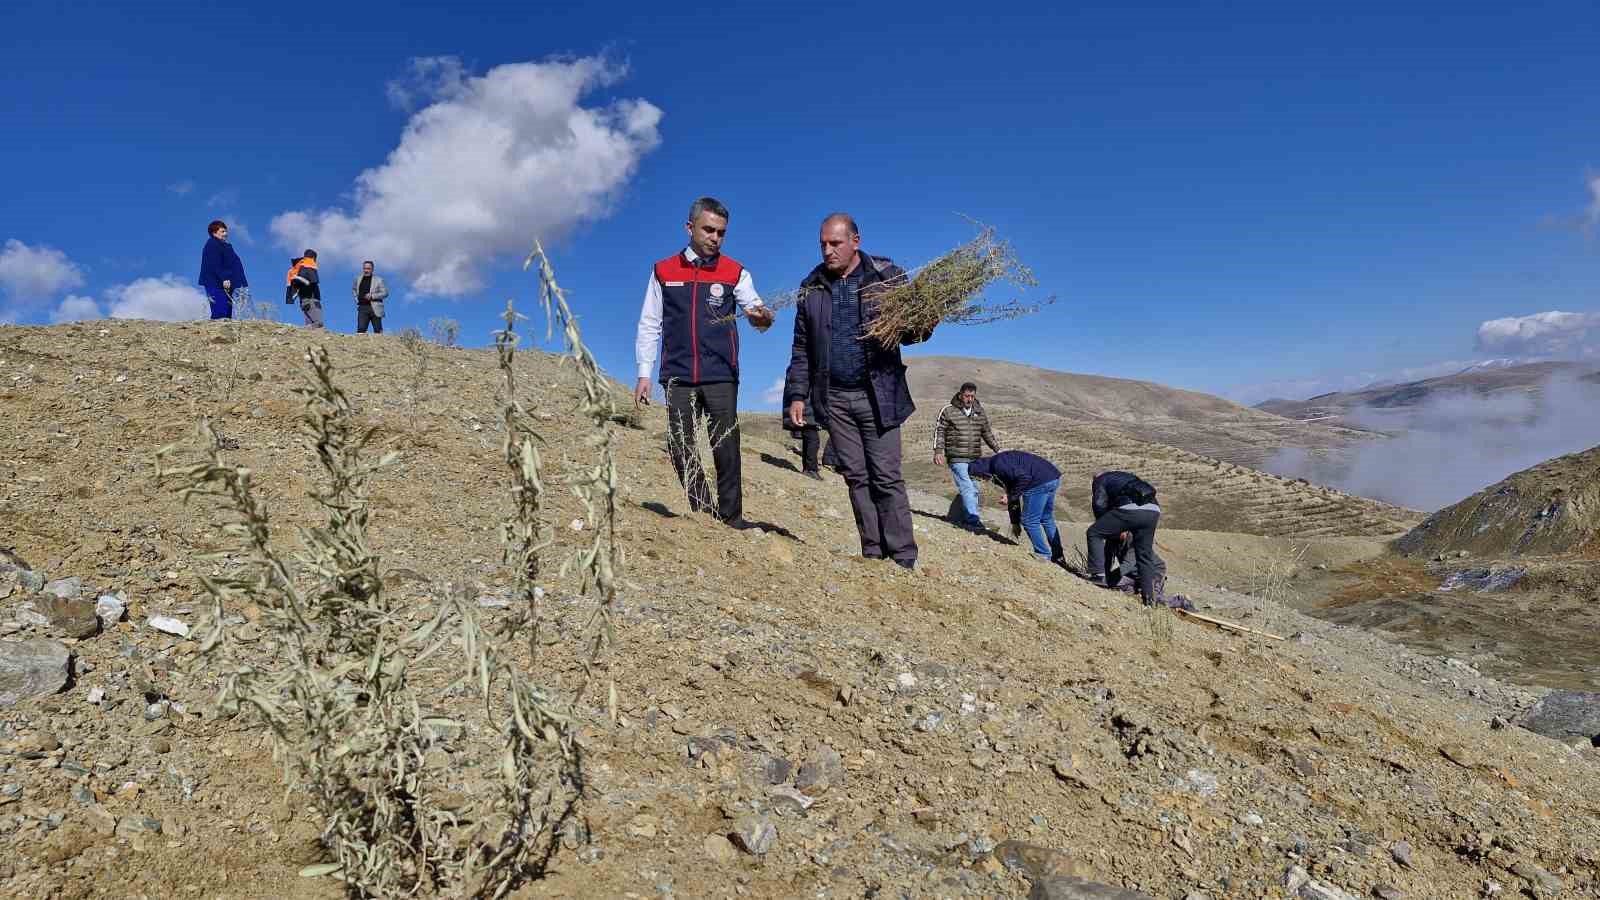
774	392
1552	333
493	162
427	78
36	273
182	188
75	308
170	298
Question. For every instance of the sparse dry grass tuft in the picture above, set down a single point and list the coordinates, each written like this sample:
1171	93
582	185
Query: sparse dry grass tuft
342	700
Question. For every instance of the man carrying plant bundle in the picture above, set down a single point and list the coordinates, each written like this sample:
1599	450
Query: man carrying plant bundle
1126	515
688	315
856	384
958	436
1032	481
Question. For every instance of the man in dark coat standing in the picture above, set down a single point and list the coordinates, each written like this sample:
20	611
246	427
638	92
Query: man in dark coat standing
856	387
221	272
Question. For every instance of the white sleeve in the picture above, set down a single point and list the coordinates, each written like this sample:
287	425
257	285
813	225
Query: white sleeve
647	343
745	292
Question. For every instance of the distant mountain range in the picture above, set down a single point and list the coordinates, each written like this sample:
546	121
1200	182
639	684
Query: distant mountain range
1485	378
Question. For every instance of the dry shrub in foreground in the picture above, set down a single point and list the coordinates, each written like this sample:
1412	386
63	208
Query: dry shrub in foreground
343	697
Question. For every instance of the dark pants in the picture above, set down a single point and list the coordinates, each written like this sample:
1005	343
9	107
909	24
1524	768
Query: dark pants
869	461
810	440
1142	524
221	303
364	317
718	405
830	457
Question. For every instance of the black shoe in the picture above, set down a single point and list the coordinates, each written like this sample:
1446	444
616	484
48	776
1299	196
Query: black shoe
1097	580
812	474
907	564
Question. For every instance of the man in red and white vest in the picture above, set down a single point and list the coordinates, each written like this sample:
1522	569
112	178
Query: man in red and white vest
690	315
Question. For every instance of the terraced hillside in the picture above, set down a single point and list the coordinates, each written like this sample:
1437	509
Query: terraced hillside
1198	492
1199	423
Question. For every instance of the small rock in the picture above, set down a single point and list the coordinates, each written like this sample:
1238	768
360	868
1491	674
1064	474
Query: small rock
1401	851
32	668
1545	883
720	849
135	825
755	835
110	608
818	775
1316	890
929	722
40	742
1254	819
1038	863
1565	715
642	826
101	820
1294	879
787	797
160	746
71	618
30	582
64	588
1198	782
905	682
168	625
1386	892
778	770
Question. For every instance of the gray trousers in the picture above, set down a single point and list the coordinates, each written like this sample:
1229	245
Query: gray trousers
869	461
312	310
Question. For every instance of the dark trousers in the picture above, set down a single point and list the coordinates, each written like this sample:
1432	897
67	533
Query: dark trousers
718	405
1142	524
869	461
364	317
810	440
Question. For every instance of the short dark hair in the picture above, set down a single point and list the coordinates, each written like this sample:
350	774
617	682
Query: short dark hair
215	225
969	386
707	204
310	254
846	218
368	262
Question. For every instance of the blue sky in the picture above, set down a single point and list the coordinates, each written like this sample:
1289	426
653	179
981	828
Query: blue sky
1260	194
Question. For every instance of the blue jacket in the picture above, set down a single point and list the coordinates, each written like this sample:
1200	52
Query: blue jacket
807	378
1016	469
218	263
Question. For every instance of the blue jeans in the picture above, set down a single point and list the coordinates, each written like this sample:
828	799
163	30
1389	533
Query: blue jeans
968	490
1039	518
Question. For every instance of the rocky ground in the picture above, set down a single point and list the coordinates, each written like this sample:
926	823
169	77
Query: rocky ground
794	720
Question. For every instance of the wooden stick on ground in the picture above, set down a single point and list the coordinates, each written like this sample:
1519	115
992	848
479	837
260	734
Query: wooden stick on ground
1226	625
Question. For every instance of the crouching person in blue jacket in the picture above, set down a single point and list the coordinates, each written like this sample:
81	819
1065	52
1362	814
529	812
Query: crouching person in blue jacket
1032	480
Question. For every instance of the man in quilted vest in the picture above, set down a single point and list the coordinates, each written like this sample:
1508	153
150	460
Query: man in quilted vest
690	316
959	435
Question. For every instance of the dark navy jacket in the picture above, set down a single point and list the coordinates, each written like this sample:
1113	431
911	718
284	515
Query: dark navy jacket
1016	469
807	378
218	263
699	333
1114	489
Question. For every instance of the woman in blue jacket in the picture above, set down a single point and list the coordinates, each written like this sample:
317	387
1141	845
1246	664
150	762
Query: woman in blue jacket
221	272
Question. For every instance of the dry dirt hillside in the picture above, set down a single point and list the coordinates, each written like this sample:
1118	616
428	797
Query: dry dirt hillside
1551	508
1199	423
983	727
